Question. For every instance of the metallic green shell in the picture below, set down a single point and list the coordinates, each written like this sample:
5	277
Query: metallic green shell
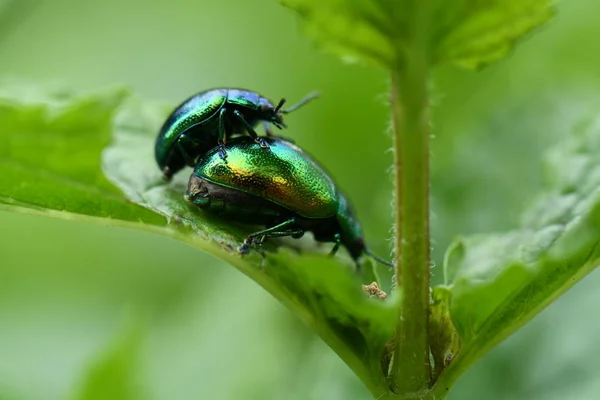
283	174
245	99
194	111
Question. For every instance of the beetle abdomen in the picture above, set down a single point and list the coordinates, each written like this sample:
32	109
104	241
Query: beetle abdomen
232	203
284	174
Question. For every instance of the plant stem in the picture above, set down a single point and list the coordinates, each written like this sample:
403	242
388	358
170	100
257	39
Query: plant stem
411	371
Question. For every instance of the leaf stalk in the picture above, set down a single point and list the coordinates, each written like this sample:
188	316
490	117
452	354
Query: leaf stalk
411	369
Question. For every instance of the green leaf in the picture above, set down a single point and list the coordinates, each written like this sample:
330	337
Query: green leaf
91	158
13	13
470	33
444	339
498	282
351	28
475	33
114	374
49	153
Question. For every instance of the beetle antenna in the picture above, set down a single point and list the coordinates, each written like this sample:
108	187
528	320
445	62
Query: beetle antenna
306	99
377	258
281	103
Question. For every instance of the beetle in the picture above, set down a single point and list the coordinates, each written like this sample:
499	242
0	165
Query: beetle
209	118
283	189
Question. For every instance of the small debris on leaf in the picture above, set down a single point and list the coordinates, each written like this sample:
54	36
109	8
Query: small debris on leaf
373	291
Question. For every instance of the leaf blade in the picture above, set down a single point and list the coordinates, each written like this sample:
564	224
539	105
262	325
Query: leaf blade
49	154
500	281
91	158
468	33
486	32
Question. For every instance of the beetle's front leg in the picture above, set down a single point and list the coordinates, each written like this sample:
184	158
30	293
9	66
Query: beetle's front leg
268	130
271	134
222	134
260	140
182	142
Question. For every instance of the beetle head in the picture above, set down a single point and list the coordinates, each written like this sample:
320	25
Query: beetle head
277	118
273	114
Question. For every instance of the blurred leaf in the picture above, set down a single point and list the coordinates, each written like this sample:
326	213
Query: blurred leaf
49	150
13	13
51	160
353	28
470	33
475	33
498	282
4	5
5	395
114	374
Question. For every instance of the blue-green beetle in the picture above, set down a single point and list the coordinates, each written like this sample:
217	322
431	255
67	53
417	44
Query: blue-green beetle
283	189
209	118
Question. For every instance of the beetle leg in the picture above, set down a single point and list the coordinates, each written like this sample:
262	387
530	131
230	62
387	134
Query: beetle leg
268	129
259	241
261	141
189	160
222	134
222	152
278	230
295	234
271	134
338	241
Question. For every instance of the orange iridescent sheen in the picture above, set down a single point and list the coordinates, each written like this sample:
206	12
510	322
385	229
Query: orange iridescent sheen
283	174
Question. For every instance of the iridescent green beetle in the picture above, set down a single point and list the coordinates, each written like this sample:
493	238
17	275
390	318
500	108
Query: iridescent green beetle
208	118
283	189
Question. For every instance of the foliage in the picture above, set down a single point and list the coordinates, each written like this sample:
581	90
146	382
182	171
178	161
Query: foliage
67	181
88	157
470	33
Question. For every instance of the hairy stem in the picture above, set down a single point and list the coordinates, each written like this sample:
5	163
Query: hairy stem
411	370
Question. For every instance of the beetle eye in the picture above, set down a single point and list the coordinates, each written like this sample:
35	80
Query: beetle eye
265	107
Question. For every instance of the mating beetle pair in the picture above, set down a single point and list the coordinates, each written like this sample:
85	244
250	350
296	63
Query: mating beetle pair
256	180
209	118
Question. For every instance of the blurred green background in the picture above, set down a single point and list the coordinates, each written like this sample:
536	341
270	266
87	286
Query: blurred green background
89	312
